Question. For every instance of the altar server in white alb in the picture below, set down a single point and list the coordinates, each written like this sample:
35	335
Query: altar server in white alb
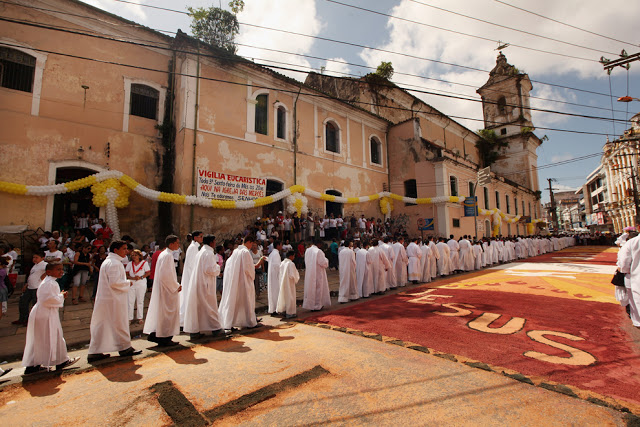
316	285
201	308
45	346
110	318
629	263
467	257
415	255
238	303
347	265
364	271
425	262
163	315
273	276
187	270
400	262
289	277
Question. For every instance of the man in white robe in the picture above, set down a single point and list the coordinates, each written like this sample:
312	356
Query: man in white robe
201	309
414	255
316	285
238	302
273	277
444	263
187	270
454	256
467	258
477	252
347	265
391	281
425	262
289	276
110	317
629	263
45	346
380	266
364	271
435	256
400	262
163	315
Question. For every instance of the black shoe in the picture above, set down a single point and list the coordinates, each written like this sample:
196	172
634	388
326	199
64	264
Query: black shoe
129	352
166	342
196	336
34	370
152	337
291	316
66	363
6	371
98	356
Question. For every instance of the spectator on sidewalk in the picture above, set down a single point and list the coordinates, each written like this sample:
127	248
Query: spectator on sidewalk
29	292
82	268
137	271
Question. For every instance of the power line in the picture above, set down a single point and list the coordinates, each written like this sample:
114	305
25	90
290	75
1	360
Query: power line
458	32
53	28
564	23
509	28
317	95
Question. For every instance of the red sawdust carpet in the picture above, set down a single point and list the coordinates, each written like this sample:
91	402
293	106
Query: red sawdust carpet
579	255
569	341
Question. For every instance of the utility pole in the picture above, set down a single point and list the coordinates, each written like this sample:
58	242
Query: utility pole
624	61
554	214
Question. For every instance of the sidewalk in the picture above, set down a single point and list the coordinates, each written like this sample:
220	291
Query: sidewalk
76	319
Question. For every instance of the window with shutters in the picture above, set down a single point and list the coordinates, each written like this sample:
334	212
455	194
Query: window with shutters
262	114
281	123
375	147
332	137
144	101
17	69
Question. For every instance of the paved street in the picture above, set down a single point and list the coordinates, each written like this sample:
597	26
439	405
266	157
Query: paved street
425	355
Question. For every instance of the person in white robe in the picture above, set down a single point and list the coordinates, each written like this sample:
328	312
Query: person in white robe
454	256
273	277
347	265
629	264
238	302
486	256
289	277
201	308
45	346
467	258
414	255
364	271
316	285
380	266
425	262
495	255
444	263
400	262
163	314
187	270
435	256
110	317
390	278
477	252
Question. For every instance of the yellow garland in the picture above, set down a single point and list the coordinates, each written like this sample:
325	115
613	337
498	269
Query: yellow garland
298	205
99	188
386	205
11	188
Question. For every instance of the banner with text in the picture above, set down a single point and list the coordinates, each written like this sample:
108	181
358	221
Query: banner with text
224	186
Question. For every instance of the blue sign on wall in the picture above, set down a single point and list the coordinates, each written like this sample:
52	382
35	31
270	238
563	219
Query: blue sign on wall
428	224
471	206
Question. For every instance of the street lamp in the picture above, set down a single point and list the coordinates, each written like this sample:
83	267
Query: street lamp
627	99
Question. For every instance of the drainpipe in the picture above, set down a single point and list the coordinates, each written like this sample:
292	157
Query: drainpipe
195	136
295	138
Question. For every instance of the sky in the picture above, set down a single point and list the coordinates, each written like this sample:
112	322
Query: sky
417	36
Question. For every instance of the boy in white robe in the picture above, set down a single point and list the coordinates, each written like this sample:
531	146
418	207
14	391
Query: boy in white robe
45	346
110	317
391	279
467	257
444	263
425	262
364	271
347	266
316	285
414	255
380	266
400	262
187	270
238	303
273	277
289	277
201	308
454	256
163	315
435	256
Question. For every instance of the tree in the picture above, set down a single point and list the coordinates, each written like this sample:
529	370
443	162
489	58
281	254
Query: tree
385	70
217	26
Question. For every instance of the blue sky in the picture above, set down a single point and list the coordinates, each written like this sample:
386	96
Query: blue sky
615	19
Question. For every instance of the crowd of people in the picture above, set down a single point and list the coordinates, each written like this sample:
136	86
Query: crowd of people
217	288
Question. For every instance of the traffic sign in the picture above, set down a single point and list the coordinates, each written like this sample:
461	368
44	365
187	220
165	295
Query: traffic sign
484	176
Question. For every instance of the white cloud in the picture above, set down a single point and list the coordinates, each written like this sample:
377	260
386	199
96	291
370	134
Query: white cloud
131	11
561	157
336	67
290	15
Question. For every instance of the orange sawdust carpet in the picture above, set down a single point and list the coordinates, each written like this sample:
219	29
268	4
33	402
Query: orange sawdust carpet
557	323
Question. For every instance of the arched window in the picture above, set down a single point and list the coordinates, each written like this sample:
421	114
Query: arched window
281	123
453	185
144	101
17	69
262	115
502	105
410	190
333	207
376	156
332	137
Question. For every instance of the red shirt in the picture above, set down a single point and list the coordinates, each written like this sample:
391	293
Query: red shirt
154	259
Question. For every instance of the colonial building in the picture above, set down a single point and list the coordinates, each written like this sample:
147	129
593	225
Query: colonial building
84	91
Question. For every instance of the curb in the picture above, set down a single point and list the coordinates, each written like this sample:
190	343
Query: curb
631	411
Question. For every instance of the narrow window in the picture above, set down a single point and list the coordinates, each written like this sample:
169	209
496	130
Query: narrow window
410	190
506	199
144	101
502	105
261	114
331	134
453	183
282	123
486	198
515	203
17	69
456	222
375	151
471	188
497	200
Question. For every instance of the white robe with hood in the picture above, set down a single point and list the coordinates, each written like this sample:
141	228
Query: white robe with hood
163	315
316	285
348	282
273	280
289	276
187	271
201	309
364	273
238	302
